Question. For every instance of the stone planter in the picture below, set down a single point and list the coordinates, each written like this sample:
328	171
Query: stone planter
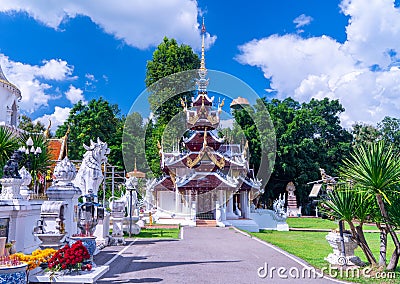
50	240
350	245
13	274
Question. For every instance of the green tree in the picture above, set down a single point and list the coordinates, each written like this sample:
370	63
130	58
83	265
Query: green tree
365	133
389	127
165	98
134	143
96	119
8	143
308	137
376	168
27	124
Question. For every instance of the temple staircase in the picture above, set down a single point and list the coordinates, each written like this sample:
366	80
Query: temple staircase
206	223
205	219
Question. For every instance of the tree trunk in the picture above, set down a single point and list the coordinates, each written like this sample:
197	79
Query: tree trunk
393	260
363	244
395	256
383	244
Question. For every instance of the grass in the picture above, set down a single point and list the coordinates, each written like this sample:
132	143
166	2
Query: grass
318	223
158	233
317	248
311	223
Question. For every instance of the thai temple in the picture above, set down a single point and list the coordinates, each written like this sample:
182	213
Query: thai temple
210	181
9	96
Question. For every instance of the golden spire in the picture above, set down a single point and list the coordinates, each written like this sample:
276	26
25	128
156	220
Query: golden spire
135	169
203	61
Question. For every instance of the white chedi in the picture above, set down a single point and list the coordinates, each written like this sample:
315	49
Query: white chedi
64	172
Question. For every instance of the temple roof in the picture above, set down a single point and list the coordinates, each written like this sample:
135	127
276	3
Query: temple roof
192	159
196	140
57	147
11	87
198	182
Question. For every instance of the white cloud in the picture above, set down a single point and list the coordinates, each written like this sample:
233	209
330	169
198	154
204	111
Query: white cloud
138	23
358	72
32	80
90	77
58	117
227	123
302	20
74	95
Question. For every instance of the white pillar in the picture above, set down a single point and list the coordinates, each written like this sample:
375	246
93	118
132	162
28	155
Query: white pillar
244	203
229	210
176	200
193	211
218	213
223	205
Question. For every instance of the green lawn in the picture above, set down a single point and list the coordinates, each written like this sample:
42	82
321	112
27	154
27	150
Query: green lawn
312	247
158	233
311	223
318	223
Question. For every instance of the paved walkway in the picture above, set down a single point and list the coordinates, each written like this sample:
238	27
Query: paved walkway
204	255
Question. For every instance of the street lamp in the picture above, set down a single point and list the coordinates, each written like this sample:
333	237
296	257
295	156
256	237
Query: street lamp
32	153
131	184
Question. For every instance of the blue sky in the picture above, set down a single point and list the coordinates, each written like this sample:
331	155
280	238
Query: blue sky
60	52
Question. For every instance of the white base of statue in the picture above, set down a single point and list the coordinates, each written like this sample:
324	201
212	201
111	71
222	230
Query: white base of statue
81	277
293	212
69	195
350	245
102	231
22	216
11	187
268	220
117	236
243	224
135	229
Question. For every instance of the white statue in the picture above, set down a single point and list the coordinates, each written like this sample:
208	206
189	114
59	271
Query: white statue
90	176
279	207
149	198
131	184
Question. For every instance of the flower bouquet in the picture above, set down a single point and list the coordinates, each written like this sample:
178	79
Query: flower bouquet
36	258
70	258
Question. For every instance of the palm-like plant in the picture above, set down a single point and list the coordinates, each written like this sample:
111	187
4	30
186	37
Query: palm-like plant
346	204
8	143
376	168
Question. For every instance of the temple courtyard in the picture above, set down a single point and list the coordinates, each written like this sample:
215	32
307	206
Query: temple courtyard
202	255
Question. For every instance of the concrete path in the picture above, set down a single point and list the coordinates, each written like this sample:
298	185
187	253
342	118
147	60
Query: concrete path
204	255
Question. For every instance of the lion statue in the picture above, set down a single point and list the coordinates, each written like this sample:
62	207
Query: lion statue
90	175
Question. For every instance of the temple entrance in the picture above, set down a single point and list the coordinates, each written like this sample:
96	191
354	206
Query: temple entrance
205	206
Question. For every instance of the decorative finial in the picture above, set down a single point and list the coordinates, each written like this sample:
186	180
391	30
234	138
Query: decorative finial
46	133
203	61
135	166
202	82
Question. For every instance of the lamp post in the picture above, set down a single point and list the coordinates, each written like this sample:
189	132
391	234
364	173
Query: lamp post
32	153
131	186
